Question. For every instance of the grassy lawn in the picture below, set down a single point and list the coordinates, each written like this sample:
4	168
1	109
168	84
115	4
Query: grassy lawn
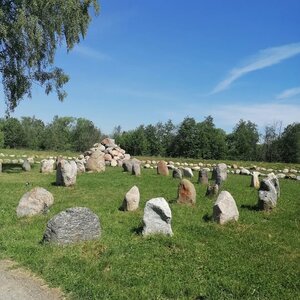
256	258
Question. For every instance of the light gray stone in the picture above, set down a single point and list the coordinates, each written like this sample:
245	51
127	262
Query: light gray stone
219	173
80	165
254	180
203	177
157	217
136	169
275	182
26	166
47	165
187	172
267	195
66	172
96	162
177	173
132	199
36	201
225	208
73	225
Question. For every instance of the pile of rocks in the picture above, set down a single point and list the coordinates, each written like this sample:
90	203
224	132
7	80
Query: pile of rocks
113	154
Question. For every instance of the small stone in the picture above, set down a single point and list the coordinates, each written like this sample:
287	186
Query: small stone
187	172
267	195
66	172
225	209
203	177
245	172
157	217
177	173
132	199
254	180
212	190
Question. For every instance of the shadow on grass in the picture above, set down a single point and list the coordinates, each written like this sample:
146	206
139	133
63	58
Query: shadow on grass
173	201
11	168
250	207
137	230
207	218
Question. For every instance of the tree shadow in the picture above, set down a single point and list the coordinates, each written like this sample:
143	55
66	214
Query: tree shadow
11	168
207	218
250	207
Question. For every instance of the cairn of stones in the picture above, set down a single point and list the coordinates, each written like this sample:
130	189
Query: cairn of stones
113	154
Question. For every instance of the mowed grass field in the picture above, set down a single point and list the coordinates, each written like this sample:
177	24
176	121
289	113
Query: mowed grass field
256	258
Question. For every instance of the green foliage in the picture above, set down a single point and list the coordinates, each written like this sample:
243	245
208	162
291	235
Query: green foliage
84	135
203	260
242	142
290	143
30	31
13	133
33	132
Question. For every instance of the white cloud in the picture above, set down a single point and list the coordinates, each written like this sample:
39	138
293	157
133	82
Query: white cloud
265	58
289	93
91	53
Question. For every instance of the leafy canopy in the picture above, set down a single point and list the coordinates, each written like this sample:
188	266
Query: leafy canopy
30	31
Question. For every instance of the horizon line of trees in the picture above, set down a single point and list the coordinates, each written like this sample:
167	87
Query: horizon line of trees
190	139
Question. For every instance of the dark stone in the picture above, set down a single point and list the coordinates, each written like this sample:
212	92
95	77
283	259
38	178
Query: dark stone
177	173
73	225
203	177
212	190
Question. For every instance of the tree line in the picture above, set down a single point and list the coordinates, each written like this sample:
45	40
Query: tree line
192	139
204	141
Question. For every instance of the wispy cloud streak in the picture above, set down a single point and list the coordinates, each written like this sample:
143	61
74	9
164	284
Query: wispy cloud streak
91	53
289	93
265	58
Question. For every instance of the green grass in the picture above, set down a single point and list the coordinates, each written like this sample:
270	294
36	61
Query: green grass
256	258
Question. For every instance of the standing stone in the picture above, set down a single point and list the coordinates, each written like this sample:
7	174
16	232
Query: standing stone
267	195
26	166
254	180
245	172
0	167
186	192
136	169
157	217
177	173
36	201
275	182
219	173
47	165
96	162
127	165
225	209
162	168
203	177
132	199
212	190
80	165
66	172
187	172
73	225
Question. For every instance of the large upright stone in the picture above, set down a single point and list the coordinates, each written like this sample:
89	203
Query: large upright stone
66	172
267	195
36	201
275	182
186	192
96	162
219	173
187	172
127	165
254	180
26	166
157	217
162	168
47	165
80	165
203	177
225	209
177	173
73	225
132	199
136	169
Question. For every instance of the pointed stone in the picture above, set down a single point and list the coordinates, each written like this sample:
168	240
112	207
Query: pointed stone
186	192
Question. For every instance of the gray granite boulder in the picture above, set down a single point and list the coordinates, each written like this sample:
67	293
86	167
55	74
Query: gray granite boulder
225	209
26	166
157	217
177	173
212	190
96	162
267	195
275	182
73	225
132	199
203	177
187	172
66	172
36	201
136	169
219	173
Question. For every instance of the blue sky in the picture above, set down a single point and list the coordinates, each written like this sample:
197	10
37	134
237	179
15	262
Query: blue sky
148	61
